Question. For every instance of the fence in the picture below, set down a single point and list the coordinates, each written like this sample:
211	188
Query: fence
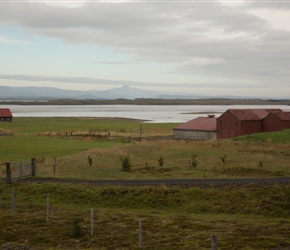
44	218
86	226
20	170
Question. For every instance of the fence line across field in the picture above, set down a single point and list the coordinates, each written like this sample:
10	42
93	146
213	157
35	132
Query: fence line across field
213	238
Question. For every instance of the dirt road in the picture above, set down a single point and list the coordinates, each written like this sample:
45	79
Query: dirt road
169	182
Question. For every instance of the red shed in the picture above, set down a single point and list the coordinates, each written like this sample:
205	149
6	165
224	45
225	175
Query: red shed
276	120
200	128
5	115
237	122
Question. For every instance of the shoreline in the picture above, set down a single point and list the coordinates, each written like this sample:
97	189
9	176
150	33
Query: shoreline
84	118
141	101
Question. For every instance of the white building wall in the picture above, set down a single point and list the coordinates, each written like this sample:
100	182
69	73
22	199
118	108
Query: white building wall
194	134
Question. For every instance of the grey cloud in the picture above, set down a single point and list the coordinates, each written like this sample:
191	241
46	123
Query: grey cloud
61	79
7	40
273	5
117	63
87	80
202	37
78	80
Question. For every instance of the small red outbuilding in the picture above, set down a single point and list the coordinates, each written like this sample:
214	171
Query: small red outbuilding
5	115
200	128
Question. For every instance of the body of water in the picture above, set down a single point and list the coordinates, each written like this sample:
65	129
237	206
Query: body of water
150	113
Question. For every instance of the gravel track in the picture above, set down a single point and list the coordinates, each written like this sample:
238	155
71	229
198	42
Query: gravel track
168	182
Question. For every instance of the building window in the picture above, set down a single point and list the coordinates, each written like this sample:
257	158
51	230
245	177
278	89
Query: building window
236	123
221	123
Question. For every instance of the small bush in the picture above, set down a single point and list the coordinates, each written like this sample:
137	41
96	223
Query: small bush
90	160
260	164
160	161
194	161
126	164
76	228
224	159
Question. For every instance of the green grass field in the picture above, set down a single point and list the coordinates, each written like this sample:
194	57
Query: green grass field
248	217
55	137
72	140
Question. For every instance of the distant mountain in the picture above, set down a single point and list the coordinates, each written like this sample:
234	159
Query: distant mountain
47	93
173	96
193	97
34	93
126	92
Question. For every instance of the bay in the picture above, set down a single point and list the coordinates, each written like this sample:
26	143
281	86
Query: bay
148	113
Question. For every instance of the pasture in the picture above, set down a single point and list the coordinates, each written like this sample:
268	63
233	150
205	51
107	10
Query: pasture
248	217
106	141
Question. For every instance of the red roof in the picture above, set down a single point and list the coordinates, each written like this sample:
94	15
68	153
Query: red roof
285	116
245	114
199	123
252	114
5	113
262	113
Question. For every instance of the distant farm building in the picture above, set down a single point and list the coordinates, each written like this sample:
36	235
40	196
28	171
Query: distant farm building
200	128
5	115
237	122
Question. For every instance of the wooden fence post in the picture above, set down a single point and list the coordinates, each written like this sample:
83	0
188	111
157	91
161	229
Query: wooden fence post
21	169
92	222
33	166
13	201
214	245
140	233
54	166
47	208
8	172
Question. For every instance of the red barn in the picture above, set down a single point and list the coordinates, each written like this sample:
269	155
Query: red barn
5	115
237	122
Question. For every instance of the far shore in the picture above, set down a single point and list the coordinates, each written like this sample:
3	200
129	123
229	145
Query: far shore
144	101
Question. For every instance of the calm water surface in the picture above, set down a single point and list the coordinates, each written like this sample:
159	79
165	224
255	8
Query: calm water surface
150	113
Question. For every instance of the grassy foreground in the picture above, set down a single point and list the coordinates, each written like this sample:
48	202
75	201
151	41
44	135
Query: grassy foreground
173	218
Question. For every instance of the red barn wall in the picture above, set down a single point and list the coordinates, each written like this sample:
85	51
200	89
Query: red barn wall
228	126
251	127
5	119
272	123
285	124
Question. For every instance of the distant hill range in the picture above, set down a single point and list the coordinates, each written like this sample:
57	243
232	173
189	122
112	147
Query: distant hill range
124	92
122	95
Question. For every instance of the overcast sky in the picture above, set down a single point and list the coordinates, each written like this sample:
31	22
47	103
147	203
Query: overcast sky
237	48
